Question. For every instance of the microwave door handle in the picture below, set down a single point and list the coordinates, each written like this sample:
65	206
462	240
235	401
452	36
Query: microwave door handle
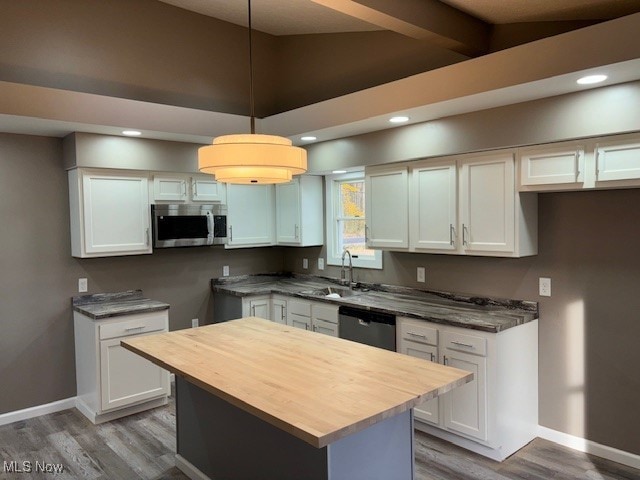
210	227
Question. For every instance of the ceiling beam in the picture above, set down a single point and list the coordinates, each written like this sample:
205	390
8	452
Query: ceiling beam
429	20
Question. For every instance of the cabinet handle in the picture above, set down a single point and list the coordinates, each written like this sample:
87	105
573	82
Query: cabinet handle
462	344
284	313
296	231
464	237
417	335
444	360
134	328
184	188
231	233
432	357
253	310
147	235
451	232
195	188
366	234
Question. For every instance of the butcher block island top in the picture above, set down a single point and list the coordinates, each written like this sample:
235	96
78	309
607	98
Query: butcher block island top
315	387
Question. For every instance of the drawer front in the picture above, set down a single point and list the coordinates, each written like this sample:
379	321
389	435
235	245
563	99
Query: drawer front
465	343
327	313
416	332
299	308
135	325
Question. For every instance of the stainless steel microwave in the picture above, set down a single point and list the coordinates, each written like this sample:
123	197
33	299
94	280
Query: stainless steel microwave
189	225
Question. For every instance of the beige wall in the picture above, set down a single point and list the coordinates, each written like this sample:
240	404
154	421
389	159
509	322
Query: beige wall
38	276
589	385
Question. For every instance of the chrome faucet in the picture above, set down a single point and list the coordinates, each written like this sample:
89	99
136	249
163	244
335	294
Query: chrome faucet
342	274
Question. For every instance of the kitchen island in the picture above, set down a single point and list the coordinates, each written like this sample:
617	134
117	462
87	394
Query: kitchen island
255	399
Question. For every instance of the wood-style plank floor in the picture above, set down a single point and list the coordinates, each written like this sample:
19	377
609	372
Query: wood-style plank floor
142	446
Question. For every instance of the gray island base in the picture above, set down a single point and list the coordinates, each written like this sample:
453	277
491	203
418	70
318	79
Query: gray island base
217	440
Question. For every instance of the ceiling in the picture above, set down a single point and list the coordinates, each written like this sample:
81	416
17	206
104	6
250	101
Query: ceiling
294	17
448	90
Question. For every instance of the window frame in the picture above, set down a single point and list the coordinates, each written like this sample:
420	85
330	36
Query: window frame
332	203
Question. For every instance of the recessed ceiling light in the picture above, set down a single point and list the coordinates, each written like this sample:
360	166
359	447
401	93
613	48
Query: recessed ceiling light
308	138
589	79
399	119
339	171
131	133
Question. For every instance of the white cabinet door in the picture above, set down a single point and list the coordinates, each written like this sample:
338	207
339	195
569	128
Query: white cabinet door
279	310
426	411
127	378
260	307
288	214
204	188
551	165
487	204
172	189
116	213
618	161
386	208
250	216
433	206
465	407
299	321
326	328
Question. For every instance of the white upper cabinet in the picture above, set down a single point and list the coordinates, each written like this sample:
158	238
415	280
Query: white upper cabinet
433	206
386	207
299	212
176	187
551	165
173	189
487	197
110	213
618	160
204	188
250	215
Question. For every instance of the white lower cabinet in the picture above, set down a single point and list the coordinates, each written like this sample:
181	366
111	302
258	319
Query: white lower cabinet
279	309
497	412
257	307
316	316
112	381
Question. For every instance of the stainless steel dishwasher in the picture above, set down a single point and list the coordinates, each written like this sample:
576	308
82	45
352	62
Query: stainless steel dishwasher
371	328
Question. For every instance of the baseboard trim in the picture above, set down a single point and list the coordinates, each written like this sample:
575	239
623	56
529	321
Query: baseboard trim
36	411
592	448
189	469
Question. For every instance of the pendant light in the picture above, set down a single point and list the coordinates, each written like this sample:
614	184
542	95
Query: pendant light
252	158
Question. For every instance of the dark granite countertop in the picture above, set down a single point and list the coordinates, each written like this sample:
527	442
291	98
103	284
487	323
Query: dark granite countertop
467	311
105	305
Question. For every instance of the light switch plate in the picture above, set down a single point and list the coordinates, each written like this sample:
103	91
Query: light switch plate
305	263
194	322
225	271
321	264
544	287
83	285
421	274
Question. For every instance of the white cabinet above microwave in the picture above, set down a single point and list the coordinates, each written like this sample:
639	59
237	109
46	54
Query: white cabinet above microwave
185	188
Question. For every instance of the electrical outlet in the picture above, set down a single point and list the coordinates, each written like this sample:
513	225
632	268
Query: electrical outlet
321	264
194	322
225	271
421	274
544	287
83	285
305	263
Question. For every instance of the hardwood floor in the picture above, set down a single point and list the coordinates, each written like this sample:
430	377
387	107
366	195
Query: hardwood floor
142	446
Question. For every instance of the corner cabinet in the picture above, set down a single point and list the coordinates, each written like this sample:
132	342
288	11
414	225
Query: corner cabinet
250	216
111	381
299	212
109	213
497	412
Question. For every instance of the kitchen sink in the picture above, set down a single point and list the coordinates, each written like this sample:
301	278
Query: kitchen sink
333	292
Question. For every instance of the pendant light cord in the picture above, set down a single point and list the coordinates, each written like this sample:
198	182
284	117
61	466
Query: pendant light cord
253	118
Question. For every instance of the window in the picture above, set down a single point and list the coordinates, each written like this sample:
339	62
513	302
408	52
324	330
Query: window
346	221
